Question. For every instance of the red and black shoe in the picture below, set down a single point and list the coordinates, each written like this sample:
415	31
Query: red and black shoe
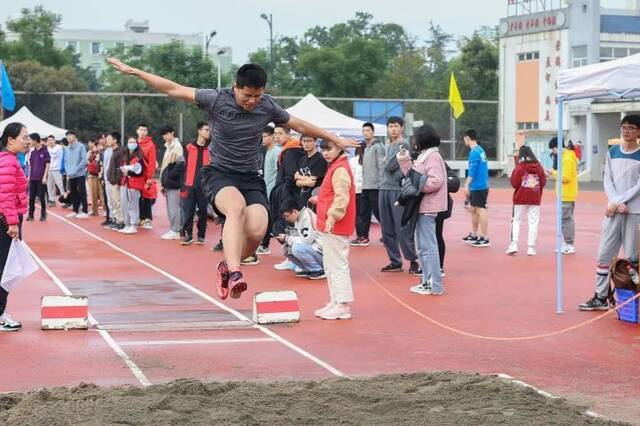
236	284
223	280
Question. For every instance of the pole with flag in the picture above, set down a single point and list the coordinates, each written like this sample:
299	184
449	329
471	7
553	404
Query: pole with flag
457	109
7	97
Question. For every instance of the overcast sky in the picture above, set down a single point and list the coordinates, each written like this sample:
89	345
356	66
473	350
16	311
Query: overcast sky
239	25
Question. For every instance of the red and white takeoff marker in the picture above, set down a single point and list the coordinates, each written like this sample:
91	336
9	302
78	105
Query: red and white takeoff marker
273	307
65	312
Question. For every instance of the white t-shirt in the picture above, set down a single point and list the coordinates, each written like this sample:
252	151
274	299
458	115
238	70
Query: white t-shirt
56	158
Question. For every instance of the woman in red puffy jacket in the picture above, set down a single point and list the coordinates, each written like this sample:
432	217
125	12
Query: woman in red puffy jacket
13	204
132	184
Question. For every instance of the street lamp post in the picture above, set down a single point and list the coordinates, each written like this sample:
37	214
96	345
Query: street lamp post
269	20
220	52
207	41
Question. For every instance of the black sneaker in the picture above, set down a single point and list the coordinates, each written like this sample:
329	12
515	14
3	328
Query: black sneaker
29	218
303	274
199	241
470	239
392	267
119	227
106	223
594	304
481	242
218	247
187	240
43	218
316	275
414	269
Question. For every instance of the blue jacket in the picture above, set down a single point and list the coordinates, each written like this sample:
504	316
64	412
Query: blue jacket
478	169
75	160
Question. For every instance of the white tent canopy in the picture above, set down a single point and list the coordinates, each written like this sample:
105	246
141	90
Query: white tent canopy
33	123
312	110
619	78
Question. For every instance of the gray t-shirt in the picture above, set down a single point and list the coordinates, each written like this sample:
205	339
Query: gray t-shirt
237	134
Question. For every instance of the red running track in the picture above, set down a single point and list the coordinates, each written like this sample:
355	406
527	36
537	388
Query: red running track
142	281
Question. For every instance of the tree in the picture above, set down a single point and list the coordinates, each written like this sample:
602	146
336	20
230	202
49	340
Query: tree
34	30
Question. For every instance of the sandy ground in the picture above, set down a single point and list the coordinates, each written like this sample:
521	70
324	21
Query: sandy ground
441	398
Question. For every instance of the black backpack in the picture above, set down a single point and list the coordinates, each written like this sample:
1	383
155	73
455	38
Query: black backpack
453	181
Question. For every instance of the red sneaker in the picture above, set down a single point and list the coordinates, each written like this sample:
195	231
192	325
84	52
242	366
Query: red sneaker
237	284
223	280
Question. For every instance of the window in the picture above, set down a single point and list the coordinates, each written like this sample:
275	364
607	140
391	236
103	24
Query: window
96	48
579	54
72	45
528	126
528	56
610	53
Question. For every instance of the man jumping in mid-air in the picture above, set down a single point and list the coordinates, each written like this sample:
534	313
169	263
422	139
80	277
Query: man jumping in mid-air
231	182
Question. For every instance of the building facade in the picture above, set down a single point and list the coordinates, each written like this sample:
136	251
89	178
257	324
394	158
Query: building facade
93	45
538	39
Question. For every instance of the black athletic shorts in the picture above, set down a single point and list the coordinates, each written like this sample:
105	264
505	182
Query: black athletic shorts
250	185
479	198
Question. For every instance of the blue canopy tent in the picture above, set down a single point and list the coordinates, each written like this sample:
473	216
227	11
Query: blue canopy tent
619	79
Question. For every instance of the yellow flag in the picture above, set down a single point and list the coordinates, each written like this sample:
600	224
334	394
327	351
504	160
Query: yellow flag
455	100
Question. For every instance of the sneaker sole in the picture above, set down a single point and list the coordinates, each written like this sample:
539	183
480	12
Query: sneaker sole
9	330
186	244
321	277
341	317
392	270
237	289
593	309
481	245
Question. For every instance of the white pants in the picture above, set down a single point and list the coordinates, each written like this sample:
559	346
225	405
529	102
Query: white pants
54	180
533	217
115	203
107	196
335	251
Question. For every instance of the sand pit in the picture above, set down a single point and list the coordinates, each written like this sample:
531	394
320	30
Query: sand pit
441	398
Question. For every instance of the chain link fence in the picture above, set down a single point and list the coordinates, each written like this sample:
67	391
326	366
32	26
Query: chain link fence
91	113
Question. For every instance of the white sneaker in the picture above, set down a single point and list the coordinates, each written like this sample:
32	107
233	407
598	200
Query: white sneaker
569	249
531	251
321	311
82	216
337	311
421	289
70	215
129	230
284	266
513	249
170	235
9	324
147	224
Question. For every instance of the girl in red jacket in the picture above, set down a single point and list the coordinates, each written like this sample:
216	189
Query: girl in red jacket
336	221
528	179
13	204
132	184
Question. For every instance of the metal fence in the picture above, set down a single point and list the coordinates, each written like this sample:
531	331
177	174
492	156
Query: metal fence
90	113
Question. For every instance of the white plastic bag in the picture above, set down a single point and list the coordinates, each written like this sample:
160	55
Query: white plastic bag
19	265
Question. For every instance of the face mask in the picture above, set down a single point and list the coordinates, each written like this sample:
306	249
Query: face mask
132	146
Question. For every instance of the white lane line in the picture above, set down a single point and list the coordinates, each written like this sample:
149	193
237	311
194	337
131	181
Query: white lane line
137	372
192	342
205	296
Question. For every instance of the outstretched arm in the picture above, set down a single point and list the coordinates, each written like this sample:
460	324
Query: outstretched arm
306	128
160	84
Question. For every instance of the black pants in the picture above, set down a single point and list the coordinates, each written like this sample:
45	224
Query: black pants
78	193
104	191
366	203
195	197
37	189
5	245
440	238
267	235
145	208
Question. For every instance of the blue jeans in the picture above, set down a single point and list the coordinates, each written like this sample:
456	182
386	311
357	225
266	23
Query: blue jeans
305	257
428	251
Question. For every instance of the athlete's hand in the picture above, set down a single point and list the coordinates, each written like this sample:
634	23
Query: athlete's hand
121	66
347	143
